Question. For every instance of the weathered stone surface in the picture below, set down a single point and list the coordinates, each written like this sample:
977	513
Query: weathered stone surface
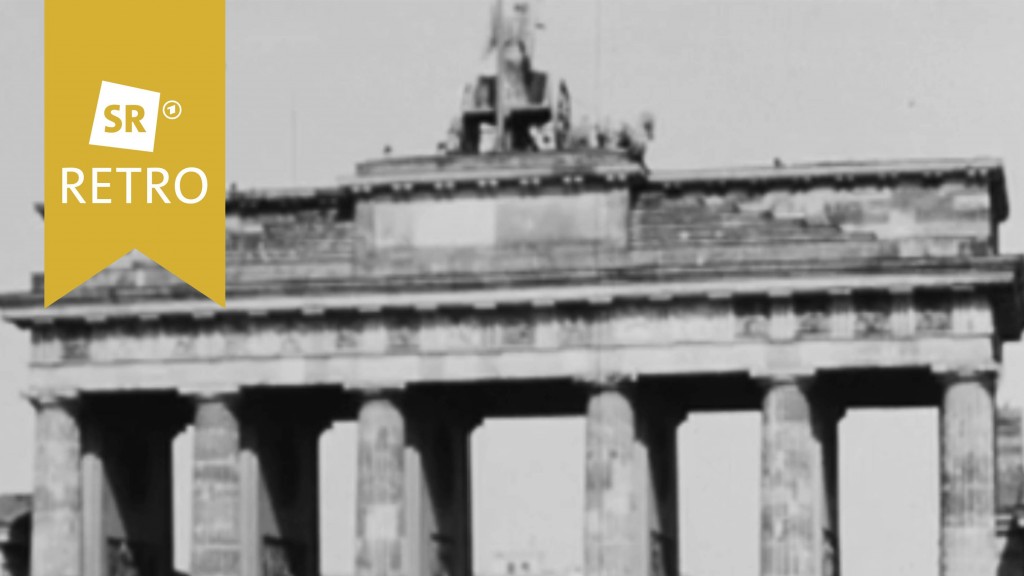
610	523
270	237
381	518
968	545
1010	491
546	361
488	224
216	488
1010	459
897	210
57	500
799	514
629	521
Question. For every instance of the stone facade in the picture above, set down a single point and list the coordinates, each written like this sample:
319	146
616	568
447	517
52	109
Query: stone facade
428	293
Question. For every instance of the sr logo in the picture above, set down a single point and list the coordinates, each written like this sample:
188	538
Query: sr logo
125	118
133	114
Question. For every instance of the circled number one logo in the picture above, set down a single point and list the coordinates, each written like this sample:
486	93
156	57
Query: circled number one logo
172	109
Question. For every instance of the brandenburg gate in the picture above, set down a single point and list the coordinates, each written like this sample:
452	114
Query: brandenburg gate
513	277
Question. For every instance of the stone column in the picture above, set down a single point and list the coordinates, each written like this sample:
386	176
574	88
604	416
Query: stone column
127	513
437	461
968	538
280	486
216	487
460	560
630	485
827	414
799	515
381	544
57	500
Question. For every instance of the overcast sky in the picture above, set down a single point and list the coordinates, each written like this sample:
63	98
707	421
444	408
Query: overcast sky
315	86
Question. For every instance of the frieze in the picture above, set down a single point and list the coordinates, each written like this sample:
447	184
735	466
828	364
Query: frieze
574	329
842	317
782	319
266	337
236	338
75	347
517	331
813	315
47	345
320	336
292	341
934	313
347	337
723	319
184	346
752	318
403	335
635	324
970	312
694	320
902	317
211	343
466	332
873	314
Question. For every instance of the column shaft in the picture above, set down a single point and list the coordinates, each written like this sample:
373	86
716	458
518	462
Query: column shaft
279	468
659	471
798	482
381	499
630	487
968	476
826	415
461	559
127	511
611	486
216	493
438	477
57	501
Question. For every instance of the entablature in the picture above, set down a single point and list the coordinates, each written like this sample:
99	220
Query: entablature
995	279
590	320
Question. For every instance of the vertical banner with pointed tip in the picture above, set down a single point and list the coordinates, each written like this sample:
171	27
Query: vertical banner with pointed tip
134	136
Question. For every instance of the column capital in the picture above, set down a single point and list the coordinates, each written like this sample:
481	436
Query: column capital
606	380
376	389
210	393
40	399
768	380
986	374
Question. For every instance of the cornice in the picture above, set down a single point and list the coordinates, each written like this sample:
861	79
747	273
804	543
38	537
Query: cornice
26	309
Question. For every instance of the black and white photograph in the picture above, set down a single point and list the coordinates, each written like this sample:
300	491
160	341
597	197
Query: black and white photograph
542	288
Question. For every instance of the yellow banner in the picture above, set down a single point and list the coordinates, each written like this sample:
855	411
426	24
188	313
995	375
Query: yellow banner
134	139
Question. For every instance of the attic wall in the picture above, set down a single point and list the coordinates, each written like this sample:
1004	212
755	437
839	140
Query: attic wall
713	225
905	219
553	230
